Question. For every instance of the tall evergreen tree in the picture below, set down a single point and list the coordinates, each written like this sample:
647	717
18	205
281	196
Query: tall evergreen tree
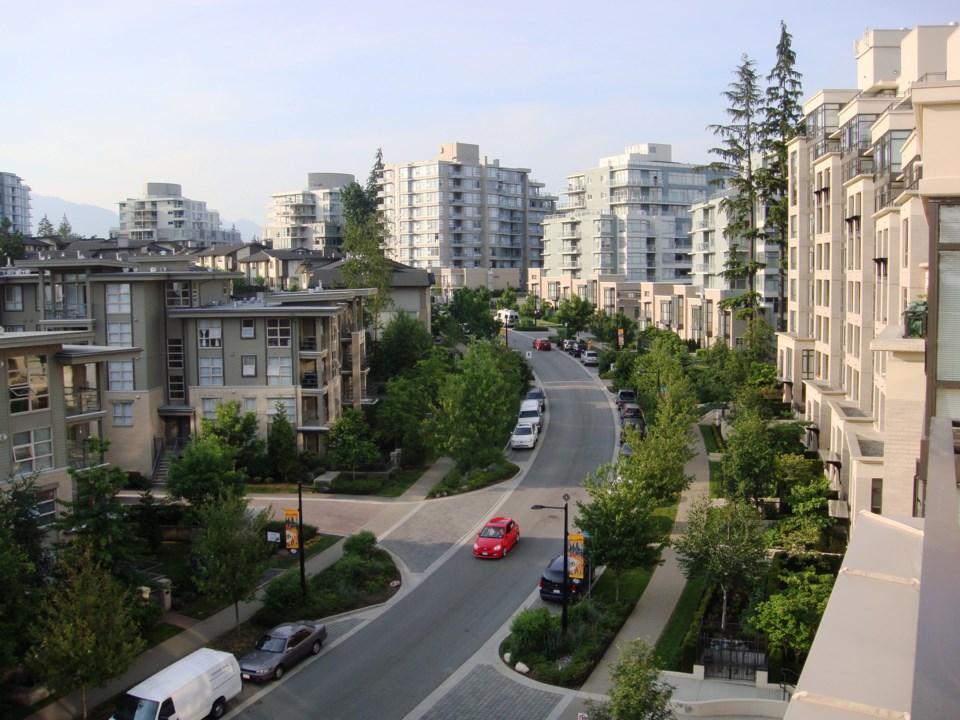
65	230
782	121
11	242
740	143
45	228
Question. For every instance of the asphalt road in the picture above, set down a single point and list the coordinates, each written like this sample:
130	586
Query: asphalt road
395	661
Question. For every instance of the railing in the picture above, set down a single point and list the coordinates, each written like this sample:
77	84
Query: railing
915	320
78	401
308	343
64	311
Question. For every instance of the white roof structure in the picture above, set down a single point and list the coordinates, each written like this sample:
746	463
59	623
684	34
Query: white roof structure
889	642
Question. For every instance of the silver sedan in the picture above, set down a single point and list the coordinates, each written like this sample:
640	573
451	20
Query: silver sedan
280	648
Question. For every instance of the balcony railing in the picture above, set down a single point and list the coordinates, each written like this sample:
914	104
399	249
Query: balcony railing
915	320
64	311
78	401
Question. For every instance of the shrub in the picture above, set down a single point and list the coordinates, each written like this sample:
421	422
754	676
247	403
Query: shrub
688	651
363	543
283	599
532	630
146	614
137	481
280	526
315	463
366	485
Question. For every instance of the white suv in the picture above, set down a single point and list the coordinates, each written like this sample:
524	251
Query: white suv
590	357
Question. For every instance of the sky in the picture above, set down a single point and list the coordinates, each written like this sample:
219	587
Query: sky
237	100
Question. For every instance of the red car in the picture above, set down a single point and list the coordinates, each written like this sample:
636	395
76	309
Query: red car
541	344
496	538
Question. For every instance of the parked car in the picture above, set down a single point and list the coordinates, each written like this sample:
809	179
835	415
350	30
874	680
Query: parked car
524	436
551	582
538	395
280	648
625	396
630	410
496	538
637	423
197	686
569	344
541	344
530	413
590	357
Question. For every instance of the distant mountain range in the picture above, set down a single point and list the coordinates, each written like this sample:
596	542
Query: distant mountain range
90	220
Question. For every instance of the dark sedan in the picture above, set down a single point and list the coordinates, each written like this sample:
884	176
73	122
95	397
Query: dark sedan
280	648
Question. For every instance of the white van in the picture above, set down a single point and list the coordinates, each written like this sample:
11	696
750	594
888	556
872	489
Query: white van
508	317
530	413
199	685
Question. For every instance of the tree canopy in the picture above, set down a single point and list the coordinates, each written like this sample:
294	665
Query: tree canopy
350	442
233	551
86	634
725	545
206	472
11	242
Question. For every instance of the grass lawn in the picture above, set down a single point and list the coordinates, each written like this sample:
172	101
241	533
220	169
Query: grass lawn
668	650
709	438
716	489
160	632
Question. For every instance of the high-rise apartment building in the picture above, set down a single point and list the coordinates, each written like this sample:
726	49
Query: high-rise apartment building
163	215
873	229
461	210
628	216
311	219
15	203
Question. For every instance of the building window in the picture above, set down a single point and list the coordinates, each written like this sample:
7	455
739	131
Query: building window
46	506
12	298
118	298
248	365
209	334
250	405
806	365
279	371
28	383
120	375
209	408
178	387
278	332
123	414
211	371
275	404
32	451
876	496
175	353
180	293
248	328
119	334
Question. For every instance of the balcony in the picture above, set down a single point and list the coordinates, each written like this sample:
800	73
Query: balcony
80	401
64	311
915	320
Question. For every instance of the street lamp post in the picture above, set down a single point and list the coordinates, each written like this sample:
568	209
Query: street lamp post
566	558
303	567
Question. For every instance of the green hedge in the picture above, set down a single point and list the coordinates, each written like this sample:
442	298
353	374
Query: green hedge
688	652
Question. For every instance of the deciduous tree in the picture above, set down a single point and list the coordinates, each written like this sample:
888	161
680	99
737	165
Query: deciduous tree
404	342
638	690
239	431
573	313
282	455
724	545
476	409
350	442
205	473
748	465
86	634
623	532
233	551
791	617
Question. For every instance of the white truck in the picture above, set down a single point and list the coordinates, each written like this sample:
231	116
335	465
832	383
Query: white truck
199	685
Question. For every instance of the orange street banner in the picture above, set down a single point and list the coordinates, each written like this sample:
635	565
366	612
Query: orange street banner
292	522
575	555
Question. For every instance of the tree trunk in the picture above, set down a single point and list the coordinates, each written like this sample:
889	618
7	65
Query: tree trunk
83	701
616	594
723	612
236	615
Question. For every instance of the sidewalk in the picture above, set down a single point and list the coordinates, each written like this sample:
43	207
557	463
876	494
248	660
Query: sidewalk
652	612
198	633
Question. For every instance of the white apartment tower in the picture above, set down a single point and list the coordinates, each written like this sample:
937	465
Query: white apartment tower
870	225
311	219
462	210
628	216
15	202
164	215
